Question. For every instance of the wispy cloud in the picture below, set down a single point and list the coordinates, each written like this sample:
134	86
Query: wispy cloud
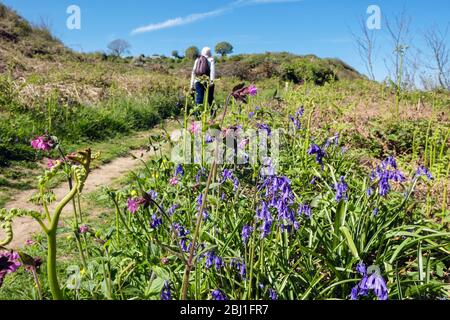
179	21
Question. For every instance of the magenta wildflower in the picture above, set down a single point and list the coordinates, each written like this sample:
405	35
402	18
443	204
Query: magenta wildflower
173	181
194	128
133	205
44	143
9	263
84	229
252	90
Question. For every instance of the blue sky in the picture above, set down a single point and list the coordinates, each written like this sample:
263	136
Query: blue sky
321	27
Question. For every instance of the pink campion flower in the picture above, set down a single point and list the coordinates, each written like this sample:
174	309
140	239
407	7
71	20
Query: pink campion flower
173	181
29	242
44	143
133	205
194	128
9	263
252	90
84	229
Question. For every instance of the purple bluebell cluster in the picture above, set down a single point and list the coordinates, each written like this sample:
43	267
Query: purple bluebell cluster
373	282
218	295
341	190
304	209
384	174
296	119
199	207
9	263
155	222
314	149
240	266
179	171
263	126
246	233
273	294
228	175
212	259
172	209
165	294
201	173
423	171
182	234
279	196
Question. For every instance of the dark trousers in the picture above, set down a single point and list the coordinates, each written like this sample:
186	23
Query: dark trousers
200	93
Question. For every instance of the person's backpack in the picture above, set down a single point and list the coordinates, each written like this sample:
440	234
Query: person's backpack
202	67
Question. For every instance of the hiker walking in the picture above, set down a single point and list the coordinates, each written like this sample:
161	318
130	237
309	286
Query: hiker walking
203	66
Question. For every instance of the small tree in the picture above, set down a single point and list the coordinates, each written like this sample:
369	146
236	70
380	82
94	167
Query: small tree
175	54
192	53
119	47
224	48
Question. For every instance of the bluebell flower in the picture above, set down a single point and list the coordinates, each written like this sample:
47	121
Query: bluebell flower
279	196
240	266
165	294
361	268
179	171
228	175
341	190
296	121
300	112
304	209
423	171
199	206
182	234
314	149
251	114
172	209
246	233
376	283
386	172
265	127
156	222
218	295
373	282
376	211
273	294
201	173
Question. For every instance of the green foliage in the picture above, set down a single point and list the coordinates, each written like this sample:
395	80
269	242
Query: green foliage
308	70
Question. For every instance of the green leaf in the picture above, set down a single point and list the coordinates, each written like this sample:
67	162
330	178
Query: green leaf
350	242
339	221
156	287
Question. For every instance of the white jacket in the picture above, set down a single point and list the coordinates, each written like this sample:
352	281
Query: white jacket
212	66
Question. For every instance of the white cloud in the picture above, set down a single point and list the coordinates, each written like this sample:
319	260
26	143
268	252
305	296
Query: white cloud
179	21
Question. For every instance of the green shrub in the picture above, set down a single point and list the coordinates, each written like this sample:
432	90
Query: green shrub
309	70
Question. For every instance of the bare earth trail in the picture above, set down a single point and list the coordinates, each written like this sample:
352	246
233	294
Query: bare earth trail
25	227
